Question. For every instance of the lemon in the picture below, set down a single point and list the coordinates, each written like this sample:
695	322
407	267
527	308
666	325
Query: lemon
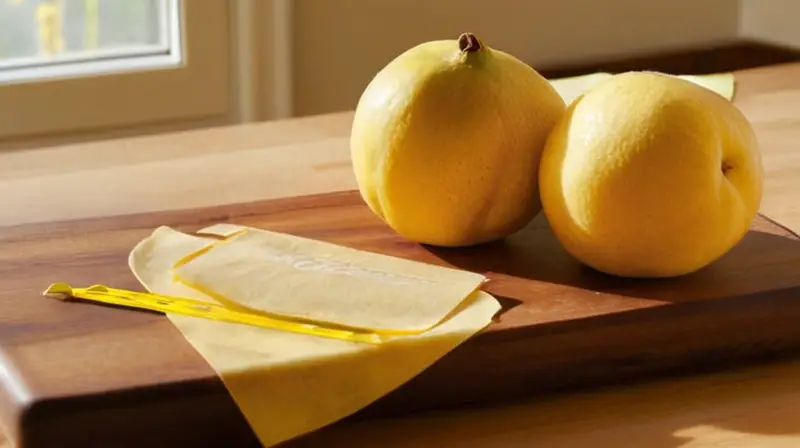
650	175
446	142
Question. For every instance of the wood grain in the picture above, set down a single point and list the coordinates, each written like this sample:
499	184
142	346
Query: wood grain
84	372
753	407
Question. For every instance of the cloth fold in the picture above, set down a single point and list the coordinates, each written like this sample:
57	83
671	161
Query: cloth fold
289	384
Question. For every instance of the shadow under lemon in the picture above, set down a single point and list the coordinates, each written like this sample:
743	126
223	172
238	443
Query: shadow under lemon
766	258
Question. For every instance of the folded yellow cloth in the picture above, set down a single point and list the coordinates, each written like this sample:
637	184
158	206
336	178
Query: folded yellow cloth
314	280
288	384
572	87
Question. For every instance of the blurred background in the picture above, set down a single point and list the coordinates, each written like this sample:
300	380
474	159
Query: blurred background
73	70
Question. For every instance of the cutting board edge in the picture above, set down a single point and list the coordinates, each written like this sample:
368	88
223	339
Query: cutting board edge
217	212
38	426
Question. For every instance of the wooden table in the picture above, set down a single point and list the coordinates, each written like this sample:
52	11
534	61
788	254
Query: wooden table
752	407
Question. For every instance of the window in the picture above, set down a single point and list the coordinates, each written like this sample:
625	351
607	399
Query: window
39	39
69	66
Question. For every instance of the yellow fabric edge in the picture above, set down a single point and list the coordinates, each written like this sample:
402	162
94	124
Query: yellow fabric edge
289	319
570	88
199	252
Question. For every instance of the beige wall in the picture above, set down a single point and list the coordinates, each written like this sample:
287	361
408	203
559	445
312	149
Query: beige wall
775	21
340	44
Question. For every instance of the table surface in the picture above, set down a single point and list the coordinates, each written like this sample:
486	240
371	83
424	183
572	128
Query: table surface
750	407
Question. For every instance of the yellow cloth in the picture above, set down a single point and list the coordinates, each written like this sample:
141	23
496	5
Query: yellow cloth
288	384
572	87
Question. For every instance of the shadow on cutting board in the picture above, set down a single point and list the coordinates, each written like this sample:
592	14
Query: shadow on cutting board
768	257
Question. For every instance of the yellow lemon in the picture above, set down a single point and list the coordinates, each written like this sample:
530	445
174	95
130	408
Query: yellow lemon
446	142
649	175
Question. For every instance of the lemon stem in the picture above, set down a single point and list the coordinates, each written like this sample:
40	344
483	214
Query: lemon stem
468	43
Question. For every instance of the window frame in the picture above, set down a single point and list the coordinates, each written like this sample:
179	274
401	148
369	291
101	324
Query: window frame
196	89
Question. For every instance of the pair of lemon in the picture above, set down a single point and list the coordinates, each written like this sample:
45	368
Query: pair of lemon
643	175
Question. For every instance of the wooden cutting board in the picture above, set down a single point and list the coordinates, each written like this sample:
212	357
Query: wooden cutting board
83	374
